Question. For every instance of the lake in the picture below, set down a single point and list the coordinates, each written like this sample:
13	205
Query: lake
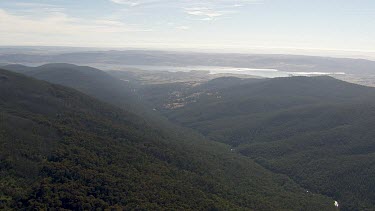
267	73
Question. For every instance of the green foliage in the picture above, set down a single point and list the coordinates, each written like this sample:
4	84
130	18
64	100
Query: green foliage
63	149
317	130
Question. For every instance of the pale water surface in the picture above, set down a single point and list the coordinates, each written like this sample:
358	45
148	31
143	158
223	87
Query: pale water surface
268	73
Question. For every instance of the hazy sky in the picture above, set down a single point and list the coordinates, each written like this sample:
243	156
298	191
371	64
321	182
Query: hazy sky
336	25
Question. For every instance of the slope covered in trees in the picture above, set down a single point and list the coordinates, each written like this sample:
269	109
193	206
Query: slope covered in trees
63	149
88	80
318	130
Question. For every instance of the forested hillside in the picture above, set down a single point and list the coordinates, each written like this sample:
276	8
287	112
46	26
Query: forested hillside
64	149
197	105
88	80
318	130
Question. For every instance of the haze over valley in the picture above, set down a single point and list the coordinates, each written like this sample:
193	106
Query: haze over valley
253	105
243	65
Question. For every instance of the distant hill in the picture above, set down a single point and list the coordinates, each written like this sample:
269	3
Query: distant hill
85	79
318	130
64	149
288	63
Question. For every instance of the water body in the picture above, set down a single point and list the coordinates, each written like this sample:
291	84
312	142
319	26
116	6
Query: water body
267	73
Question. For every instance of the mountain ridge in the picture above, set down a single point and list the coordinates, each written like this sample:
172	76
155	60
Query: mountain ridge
297	126
108	158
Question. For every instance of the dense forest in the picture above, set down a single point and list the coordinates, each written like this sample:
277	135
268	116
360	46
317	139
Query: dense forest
64	149
317	130
197	105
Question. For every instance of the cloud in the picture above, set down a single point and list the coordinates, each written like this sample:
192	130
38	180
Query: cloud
184	28
58	22
58	27
134	3
131	3
212	10
204	13
204	9
187	2
36	8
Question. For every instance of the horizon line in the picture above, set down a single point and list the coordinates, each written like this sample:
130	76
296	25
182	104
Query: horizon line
293	51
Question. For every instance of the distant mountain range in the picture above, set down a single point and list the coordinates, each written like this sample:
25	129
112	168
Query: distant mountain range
287	63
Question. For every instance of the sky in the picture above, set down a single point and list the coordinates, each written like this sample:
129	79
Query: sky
276	26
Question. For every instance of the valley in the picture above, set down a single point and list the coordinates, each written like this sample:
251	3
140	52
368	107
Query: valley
188	105
310	129
69	137
174	66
